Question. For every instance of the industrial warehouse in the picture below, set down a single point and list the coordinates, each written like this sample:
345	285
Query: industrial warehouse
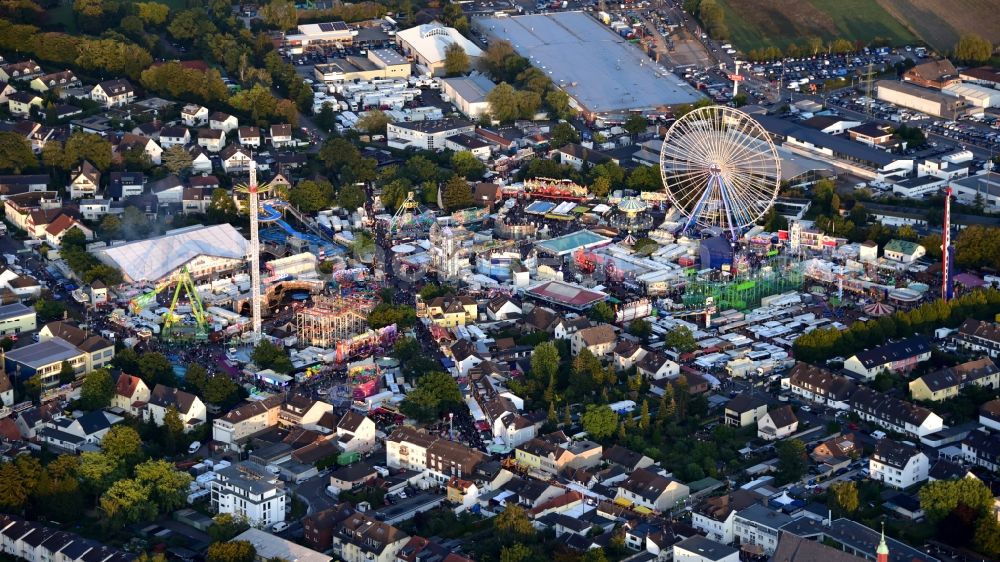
600	71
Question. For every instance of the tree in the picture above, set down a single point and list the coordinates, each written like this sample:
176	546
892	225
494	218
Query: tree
436	393
176	159
385	314
196	378
97	390
127	501
467	165
512	524
941	497
791	460
973	49
456	60
135	224
168	486
456	193
516	552
33	388
232	551
644	416
636	124
602	312
97	471
88	147
15	153
544	362
599	421
173	429
225	526
844	496
110	227
600	187
123	444
681	340
311	196
563	134
351	196
13	494
987	537
155	368
67	374
640	328
152	13
374	122
504	103
558	102
221	208
221	389
279	14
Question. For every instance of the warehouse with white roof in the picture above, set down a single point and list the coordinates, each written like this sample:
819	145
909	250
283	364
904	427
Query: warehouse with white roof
207	251
427	45
973	94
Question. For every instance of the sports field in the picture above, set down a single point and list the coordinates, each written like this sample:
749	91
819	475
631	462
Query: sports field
762	23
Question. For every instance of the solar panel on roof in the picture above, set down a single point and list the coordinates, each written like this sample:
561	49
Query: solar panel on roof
326	27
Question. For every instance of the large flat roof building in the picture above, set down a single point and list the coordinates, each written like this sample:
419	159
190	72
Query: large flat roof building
205	250
599	69
317	34
427	45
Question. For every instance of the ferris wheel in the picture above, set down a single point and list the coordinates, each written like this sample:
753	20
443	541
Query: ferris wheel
720	169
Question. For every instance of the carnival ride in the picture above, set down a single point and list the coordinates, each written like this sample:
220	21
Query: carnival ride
408	217
742	289
269	213
253	190
631	215
331	320
548	188
720	169
175	328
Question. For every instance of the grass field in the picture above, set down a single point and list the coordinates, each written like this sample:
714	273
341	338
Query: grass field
762	23
937	22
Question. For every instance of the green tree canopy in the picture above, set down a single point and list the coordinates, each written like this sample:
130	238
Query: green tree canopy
311	196
973	49
467	165
232	551
456	60
269	356
123	444
681	339
456	193
599	422
435	394
15	153
940	497
791	460
97	390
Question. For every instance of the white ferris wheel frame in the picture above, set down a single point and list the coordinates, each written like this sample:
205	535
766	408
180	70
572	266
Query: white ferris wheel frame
720	169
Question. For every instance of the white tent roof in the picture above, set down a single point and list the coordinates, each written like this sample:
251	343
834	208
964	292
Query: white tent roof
154	259
431	39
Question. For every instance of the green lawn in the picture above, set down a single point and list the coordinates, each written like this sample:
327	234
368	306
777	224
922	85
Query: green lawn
761	23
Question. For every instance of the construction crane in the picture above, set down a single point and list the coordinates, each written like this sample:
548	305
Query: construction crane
170	319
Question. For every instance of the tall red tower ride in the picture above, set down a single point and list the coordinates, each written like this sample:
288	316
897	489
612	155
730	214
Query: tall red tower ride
947	252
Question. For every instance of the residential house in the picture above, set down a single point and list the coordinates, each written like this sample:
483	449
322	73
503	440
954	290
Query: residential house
451	310
935	74
716	516
564	328
428	135
792	548
224	122
575	155
45	359
55	230
777	424
554	452
837	451
701	549
195	199
626	354
819	385
895	415
168	190
20	103
981	448
977	335
899	465
246	420
462	492
212	140
651	490
503	308
945	383
189	407
626	458
6	390
465	355
657	366
16	318
599	340
113	93
55	80
757	528
440	459
351	477
281	135
19	70
75	434
194	115
300	410
249	136
248	490
744	410
870	133
318	526
892	357
356	432
989	415
201	163
84	181
174	136
122	185
147	145
131	394
236	159
5	91
362	538
514	429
